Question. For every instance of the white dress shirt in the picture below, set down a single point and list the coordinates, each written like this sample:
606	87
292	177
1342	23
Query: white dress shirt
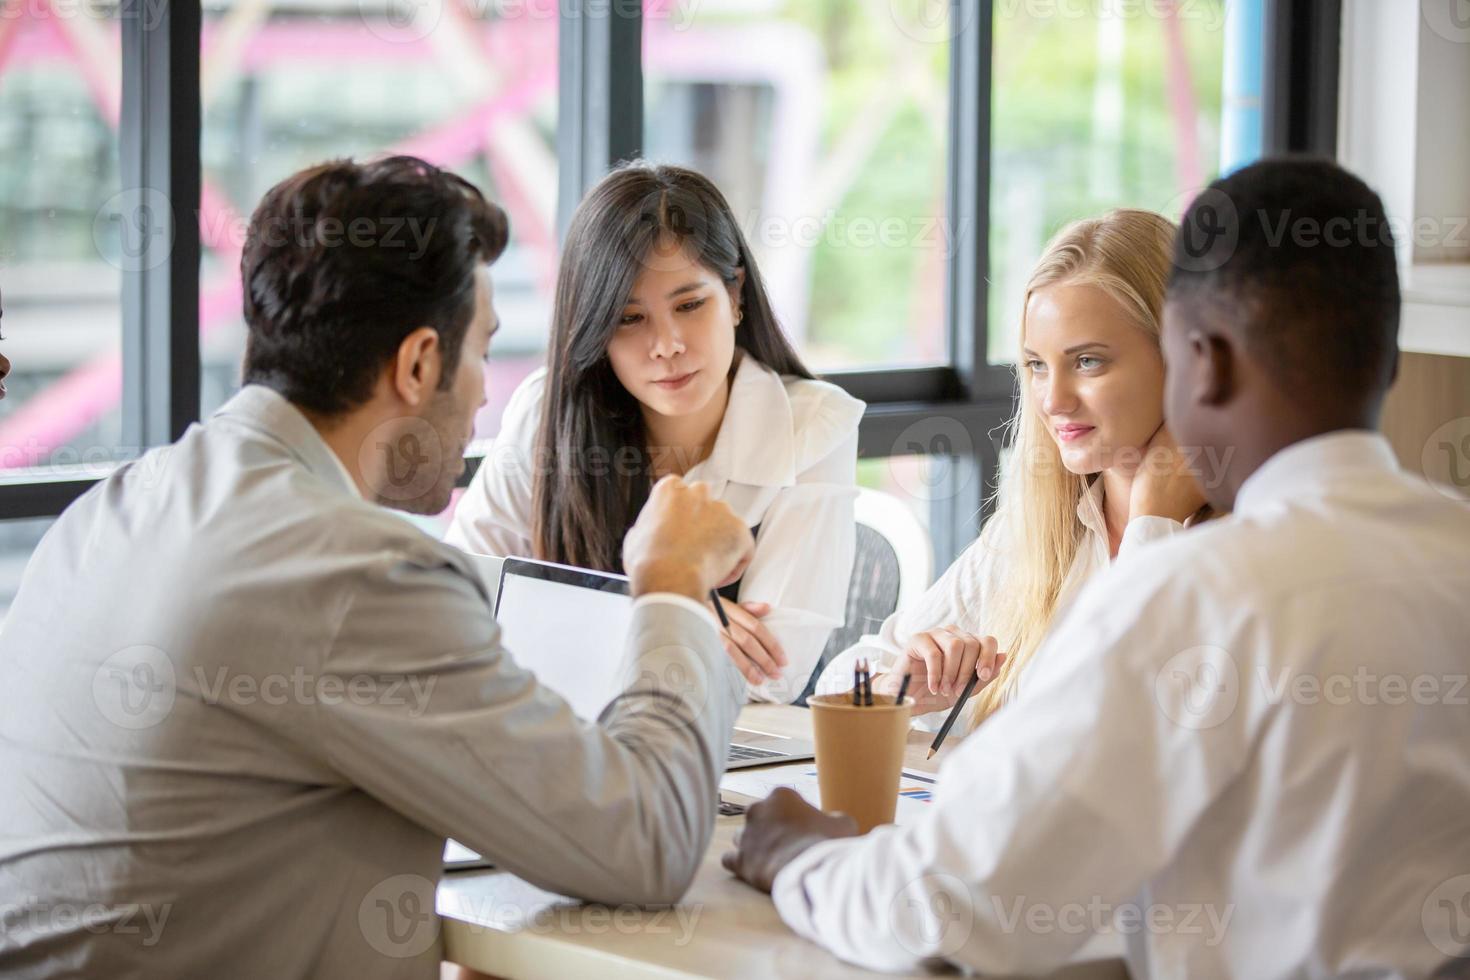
785	459
966	592
244	708
1247	749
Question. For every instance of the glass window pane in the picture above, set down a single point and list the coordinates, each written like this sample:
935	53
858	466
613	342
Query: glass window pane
64	232
905	478
470	87
825	124
1096	106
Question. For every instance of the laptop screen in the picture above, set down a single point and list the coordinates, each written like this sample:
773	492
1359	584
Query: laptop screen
568	626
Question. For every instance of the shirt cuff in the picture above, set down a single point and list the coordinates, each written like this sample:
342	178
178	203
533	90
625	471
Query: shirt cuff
789	891
674	598
1146	528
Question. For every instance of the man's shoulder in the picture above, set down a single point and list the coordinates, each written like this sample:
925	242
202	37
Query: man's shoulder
1219	562
223	502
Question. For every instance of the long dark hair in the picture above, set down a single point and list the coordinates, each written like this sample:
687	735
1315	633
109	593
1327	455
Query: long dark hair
593	469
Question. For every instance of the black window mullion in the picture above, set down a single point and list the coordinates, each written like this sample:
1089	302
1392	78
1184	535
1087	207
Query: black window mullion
1303	46
969	198
959	498
600	95
919	384
159	147
44	497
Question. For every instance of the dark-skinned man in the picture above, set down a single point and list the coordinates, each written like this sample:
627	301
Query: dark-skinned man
1246	749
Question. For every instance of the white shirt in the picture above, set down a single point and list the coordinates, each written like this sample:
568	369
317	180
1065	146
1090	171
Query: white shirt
966	592
244	708
1250	743
785	459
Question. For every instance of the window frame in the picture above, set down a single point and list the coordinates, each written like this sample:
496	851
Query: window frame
600	122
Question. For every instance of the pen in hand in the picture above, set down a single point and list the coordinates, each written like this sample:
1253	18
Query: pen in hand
953	714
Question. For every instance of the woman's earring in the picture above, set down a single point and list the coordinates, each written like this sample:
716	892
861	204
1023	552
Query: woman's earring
739	315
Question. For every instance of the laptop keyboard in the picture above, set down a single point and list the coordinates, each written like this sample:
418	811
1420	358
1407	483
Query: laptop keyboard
743	752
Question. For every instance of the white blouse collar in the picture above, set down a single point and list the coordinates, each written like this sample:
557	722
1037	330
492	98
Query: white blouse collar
1089	509
756	444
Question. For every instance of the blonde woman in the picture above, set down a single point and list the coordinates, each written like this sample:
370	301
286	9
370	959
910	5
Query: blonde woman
1093	474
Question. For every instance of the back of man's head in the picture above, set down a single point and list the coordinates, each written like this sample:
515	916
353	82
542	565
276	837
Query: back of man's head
1298	255
344	260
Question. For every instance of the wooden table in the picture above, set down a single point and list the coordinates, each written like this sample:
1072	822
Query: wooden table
498	924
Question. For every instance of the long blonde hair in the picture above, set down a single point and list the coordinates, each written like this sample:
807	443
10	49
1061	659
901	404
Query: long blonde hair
1126	253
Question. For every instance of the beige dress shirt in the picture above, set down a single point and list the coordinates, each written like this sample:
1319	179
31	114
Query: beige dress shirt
244	708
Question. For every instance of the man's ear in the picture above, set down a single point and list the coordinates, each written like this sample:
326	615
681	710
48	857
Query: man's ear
417	367
1212	357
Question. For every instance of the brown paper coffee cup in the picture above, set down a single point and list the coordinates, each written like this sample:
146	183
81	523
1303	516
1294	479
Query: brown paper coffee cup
860	755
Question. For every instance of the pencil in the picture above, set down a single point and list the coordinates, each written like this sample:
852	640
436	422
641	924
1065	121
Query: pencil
857	683
867	684
953	714
903	688
719	608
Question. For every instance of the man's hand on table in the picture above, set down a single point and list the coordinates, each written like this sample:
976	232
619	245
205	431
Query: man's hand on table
777	829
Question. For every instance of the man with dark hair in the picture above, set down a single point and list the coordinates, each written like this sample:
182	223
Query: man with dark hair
1244	749
247	705
343	265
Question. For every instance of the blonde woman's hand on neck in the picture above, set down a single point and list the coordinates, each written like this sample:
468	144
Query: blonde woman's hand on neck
1164	484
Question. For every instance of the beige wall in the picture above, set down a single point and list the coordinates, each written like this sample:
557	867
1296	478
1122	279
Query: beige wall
1427	417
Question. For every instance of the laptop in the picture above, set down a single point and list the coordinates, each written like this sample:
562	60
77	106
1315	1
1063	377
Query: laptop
568	626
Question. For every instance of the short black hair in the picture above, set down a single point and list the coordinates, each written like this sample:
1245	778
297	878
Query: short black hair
345	259
1301	254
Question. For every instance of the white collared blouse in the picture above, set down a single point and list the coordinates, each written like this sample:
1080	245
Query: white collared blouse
969	588
785	460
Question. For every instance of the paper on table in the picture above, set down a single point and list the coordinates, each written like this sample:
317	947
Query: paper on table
915	790
457	857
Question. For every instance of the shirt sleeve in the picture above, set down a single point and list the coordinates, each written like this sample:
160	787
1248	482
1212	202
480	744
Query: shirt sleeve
1147	529
493	516
1101	751
803	565
463	741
